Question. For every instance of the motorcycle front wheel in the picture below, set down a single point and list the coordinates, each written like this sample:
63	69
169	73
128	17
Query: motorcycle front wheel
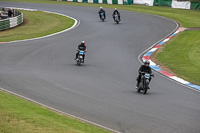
145	89
79	62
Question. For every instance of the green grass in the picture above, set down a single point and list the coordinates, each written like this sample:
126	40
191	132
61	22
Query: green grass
36	24
182	56
21	116
187	18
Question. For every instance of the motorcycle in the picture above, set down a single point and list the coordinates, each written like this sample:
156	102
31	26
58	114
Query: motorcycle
102	17
116	18
79	60
144	84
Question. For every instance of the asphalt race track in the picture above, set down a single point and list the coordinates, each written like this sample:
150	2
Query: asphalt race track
103	89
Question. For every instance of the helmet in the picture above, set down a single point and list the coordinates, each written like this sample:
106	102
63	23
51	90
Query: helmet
115	8
100	7
83	42
146	62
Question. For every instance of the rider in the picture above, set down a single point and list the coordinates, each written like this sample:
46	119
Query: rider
102	11
116	12
81	47
144	68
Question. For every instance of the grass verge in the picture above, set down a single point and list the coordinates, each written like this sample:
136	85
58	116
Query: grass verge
182	56
36	24
21	116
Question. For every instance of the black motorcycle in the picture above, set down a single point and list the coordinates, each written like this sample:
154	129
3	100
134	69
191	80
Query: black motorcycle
79	60
116	18
144	84
102	17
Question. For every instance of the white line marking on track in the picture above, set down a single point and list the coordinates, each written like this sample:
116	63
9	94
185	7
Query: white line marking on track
58	111
76	24
140	56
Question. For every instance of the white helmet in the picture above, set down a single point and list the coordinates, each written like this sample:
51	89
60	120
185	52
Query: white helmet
83	42
115	8
100	7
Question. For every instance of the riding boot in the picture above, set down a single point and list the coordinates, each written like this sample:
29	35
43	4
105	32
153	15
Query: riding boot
137	85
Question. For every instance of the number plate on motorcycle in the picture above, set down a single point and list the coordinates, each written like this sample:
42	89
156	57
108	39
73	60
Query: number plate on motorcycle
81	52
147	75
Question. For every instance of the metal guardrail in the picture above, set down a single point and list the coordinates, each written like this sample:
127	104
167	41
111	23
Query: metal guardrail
10	22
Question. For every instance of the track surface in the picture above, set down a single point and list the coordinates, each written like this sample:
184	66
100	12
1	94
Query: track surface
103	89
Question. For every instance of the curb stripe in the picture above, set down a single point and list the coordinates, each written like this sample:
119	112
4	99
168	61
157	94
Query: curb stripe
157	46
166	40
156	68
153	49
161	43
147	55
146	58
166	73
194	86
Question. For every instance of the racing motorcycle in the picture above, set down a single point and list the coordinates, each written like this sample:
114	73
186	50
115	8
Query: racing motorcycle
144	84
116	18
79	60
102	17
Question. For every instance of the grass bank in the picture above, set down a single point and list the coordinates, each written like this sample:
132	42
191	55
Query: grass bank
21	116
182	56
36	24
187	18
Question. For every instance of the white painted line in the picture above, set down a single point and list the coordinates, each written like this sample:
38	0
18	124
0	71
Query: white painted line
174	31
22	9
77	22
58	111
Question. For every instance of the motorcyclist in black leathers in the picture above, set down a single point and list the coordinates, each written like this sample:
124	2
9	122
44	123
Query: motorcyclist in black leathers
144	68
81	47
116	12
102	11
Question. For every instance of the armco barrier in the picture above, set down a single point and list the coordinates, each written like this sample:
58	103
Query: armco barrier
11	22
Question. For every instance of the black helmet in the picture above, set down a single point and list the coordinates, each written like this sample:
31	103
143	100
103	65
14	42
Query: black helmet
146	62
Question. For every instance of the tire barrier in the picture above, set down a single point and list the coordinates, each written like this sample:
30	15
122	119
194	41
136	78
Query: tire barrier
11	22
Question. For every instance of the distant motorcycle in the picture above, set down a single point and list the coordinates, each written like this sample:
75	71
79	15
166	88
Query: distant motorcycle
102	17
144	84
116	18
79	60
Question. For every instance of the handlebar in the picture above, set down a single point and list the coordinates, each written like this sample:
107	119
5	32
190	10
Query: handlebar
143	73
82	50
